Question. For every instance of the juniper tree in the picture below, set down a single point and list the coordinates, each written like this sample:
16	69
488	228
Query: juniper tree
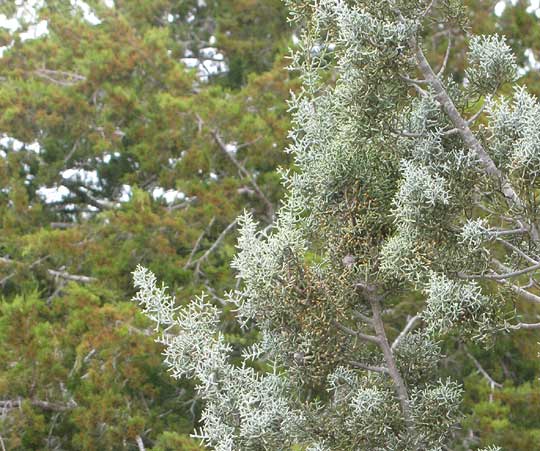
404	182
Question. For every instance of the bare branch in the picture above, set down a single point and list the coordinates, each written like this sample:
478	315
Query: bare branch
360	335
502	232
517	251
512	273
59	77
62	225
528	326
198	242
362	317
527	295
408	134
446	55
45	405
363	366
482	371
71	277
476	115
214	246
9	261
140	443
413	81
411	323
245	173
393	371
72	151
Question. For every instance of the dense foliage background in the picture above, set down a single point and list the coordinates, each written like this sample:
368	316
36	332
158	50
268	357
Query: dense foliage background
134	132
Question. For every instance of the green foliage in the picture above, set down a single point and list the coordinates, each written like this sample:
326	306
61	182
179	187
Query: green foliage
113	103
320	284
115	98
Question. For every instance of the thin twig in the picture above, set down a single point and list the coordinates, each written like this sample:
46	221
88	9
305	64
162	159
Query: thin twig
214	246
360	335
517	251
428	9
482	371
363	366
411	323
527	326
198	242
446	56
245	173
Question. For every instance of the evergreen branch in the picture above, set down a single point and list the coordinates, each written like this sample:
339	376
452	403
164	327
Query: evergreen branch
468	137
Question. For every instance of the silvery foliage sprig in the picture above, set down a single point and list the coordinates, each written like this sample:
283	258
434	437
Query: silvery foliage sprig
243	408
491	63
441	400
475	233
259	260
420	193
515	133
457	305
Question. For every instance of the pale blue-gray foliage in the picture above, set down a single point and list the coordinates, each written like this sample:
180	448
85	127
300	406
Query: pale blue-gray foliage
458	306
491	63
243	408
389	190
515	133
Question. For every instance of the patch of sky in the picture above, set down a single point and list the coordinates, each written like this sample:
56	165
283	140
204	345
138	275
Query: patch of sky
210	62
169	196
15	145
88	178
125	193
107	157
53	194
